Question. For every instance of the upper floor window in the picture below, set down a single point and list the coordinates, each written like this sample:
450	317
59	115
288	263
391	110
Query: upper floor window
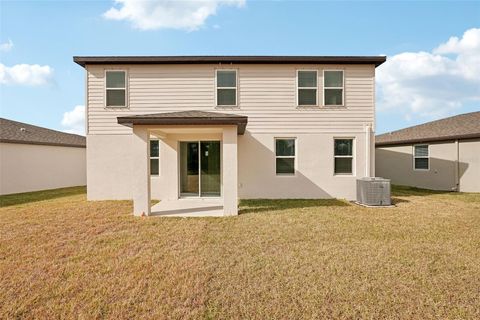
420	157
226	87
307	88
343	154
154	157
333	88
116	88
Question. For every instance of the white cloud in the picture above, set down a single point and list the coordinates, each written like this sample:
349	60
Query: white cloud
26	74
432	84
470	41
6	46
74	120
167	14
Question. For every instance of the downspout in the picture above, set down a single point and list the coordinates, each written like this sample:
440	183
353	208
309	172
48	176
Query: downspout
457	166
368	151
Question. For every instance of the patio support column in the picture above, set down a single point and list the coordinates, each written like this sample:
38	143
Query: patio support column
229	171
140	171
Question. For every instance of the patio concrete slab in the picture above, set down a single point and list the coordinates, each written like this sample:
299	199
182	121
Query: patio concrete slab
188	208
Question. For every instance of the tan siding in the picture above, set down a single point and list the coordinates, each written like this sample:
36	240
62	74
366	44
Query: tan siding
267	94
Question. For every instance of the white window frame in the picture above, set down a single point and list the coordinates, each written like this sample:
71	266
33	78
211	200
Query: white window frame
298	88
125	88
342	87
217	87
286	157
150	157
354	148
416	157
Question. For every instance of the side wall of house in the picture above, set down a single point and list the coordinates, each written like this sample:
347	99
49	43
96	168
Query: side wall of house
267	95
25	167
396	163
469	156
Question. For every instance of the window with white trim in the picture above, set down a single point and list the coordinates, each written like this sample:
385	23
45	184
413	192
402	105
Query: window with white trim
154	157
307	87
420	157
343	154
115	88
226	82
333	87
285	156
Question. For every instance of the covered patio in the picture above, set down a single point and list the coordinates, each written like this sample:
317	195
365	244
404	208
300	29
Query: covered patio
198	160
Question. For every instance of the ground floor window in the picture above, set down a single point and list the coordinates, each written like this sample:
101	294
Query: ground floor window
285	156
420	157
343	151
154	157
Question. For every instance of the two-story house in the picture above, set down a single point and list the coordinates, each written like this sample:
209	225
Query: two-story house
221	128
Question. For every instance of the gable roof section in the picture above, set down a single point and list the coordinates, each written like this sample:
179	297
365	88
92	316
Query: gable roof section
85	60
463	126
192	117
23	133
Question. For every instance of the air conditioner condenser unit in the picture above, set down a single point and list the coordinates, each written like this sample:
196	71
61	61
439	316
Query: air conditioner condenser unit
373	191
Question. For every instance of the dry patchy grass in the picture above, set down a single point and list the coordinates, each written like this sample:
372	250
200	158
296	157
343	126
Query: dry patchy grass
69	258
27	197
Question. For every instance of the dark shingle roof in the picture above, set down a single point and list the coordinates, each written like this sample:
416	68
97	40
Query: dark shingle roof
376	60
463	126
192	117
19	132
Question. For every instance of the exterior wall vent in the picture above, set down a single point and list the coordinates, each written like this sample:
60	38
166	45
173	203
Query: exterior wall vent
373	191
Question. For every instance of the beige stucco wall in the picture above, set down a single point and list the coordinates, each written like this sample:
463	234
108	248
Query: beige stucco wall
469	156
25	167
110	167
396	163
314	176
110	163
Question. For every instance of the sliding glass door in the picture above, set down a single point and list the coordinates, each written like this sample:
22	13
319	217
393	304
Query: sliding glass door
200	169
210	168
189	170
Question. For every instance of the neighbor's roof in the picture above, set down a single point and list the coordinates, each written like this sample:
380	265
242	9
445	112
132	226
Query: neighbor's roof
463	126
192	117
23	133
376	60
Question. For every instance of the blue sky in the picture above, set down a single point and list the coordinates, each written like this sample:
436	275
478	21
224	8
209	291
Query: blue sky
429	74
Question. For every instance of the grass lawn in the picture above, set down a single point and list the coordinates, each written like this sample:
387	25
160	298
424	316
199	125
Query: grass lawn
68	258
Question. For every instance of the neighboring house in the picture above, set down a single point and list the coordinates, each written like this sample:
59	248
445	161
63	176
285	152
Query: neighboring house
439	155
228	127
34	158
